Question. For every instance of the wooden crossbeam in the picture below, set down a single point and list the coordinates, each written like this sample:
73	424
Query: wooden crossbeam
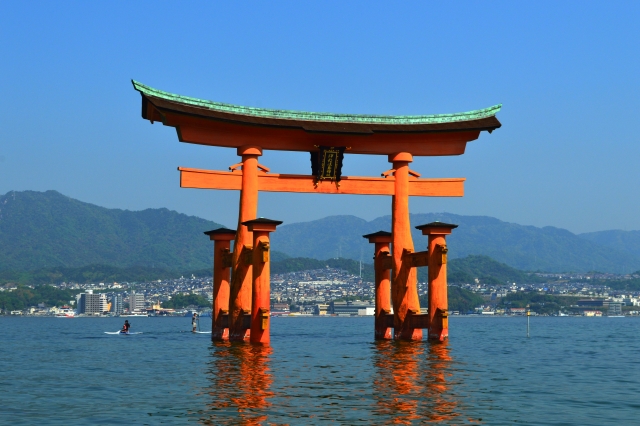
415	320
419	320
225	319
389	320
417	259
271	182
414	260
246	319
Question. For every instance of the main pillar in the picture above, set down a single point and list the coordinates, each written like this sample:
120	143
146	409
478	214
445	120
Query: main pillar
221	276
438	303
261	289
382	240
240	296
404	289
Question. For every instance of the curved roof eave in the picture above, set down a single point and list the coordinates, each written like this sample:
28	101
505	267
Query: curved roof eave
319	117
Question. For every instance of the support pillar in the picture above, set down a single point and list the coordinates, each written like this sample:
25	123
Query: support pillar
381	239
404	288
240	289
261	288
438	303
221	276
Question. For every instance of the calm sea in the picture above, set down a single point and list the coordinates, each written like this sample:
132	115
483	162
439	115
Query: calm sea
571	371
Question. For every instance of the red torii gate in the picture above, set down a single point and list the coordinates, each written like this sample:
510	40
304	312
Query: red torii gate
241	299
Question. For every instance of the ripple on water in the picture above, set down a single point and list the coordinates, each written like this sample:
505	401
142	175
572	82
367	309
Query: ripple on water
320	370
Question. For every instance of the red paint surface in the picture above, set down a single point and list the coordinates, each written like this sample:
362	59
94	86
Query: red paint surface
241	278
221	278
382	288
404	287
438	302
261	291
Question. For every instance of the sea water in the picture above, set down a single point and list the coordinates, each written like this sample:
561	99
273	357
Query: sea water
570	371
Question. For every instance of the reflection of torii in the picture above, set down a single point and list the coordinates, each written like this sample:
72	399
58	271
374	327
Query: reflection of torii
252	130
410	373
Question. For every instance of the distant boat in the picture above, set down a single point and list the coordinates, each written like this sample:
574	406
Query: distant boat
133	315
66	313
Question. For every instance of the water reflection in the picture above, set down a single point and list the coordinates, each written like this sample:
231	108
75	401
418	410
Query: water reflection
412	382
240	384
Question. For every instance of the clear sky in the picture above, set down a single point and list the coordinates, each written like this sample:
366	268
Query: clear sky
567	74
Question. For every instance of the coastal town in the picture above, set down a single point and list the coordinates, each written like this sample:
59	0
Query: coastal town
331	291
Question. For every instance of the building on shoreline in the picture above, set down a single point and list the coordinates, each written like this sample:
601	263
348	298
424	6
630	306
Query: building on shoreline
136	302
90	303
117	304
352	308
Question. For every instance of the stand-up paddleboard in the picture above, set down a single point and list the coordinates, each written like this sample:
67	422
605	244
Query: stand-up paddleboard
203	332
120	332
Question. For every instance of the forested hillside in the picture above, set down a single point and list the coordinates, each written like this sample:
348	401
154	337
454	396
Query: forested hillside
48	229
523	247
44	230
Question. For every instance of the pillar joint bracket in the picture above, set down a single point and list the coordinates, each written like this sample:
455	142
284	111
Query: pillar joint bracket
442	251
236	166
246	256
227	258
264	318
387	173
264	248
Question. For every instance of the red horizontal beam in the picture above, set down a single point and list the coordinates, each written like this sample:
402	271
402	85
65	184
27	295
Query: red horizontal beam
271	182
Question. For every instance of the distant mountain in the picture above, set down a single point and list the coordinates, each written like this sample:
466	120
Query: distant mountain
465	270
626	241
48	229
522	247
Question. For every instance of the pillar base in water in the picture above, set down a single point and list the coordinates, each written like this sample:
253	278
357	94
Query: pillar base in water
441	335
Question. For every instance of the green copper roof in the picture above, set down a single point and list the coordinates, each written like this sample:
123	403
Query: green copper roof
319	116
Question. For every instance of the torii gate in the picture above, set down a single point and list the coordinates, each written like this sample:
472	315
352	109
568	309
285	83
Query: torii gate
241	303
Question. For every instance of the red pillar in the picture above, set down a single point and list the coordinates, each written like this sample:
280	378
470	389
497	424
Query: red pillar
404	288
261	289
438	303
221	276
240	297
381	239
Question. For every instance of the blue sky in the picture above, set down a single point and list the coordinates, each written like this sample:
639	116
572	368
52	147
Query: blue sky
566	73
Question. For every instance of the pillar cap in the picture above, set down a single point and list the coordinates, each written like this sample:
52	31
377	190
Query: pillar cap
249	150
379	237
221	234
262	224
400	156
436	228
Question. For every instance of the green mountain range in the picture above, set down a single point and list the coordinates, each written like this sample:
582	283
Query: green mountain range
523	247
49	230
625	241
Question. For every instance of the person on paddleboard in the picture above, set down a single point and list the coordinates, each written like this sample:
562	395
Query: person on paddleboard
125	327
194	322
